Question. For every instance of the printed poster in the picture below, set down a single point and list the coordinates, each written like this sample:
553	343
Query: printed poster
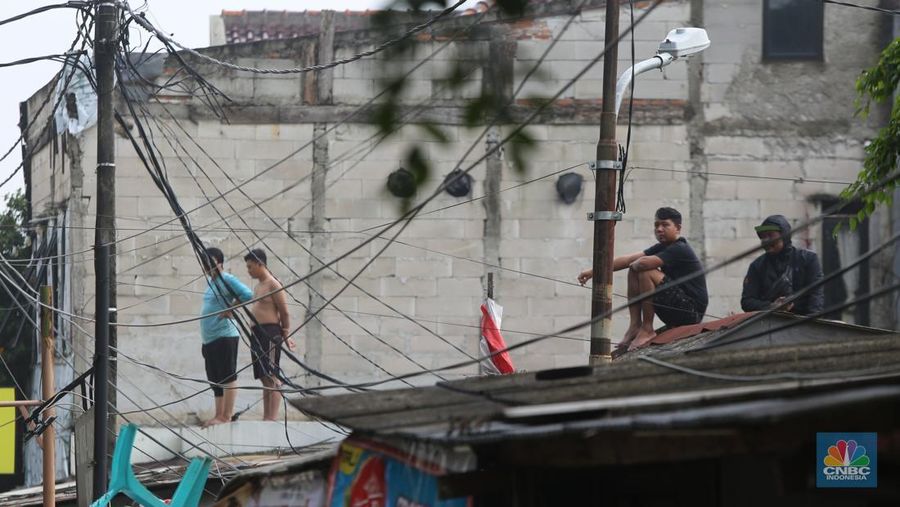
365	478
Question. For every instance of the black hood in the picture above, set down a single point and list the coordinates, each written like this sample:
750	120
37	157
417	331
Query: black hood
783	225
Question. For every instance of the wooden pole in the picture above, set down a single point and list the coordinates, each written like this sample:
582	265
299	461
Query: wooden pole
47	391
605	200
20	403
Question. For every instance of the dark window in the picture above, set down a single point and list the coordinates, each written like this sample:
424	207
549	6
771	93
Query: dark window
842	250
792	29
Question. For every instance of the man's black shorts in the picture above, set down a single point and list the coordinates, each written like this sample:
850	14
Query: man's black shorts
220	357
674	307
265	348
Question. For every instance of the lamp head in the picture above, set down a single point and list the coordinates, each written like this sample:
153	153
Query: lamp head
684	42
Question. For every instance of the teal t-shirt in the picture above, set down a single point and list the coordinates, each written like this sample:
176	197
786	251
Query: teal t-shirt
218	298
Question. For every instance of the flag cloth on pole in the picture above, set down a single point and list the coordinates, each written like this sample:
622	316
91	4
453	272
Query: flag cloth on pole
492	340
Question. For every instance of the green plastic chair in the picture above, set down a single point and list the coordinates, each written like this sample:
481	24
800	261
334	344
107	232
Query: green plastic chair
124	481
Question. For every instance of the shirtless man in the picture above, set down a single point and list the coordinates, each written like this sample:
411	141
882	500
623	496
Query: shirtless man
272	324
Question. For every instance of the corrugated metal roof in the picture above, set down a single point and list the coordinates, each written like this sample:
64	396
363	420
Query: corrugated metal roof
753	330
813	359
162	474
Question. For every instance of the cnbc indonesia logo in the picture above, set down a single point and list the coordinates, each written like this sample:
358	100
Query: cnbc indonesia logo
846	462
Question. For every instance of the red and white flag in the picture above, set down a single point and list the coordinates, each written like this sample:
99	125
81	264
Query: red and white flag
492	340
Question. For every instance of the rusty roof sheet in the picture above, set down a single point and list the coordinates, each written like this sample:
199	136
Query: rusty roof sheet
810	358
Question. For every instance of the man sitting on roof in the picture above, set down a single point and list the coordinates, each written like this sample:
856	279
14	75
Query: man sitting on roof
663	267
782	271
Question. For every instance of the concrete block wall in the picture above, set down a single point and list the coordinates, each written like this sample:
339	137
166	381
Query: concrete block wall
790	119
434	273
583	40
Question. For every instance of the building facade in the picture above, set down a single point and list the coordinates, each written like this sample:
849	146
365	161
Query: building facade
744	130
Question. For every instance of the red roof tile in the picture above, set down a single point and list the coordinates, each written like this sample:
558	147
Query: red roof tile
682	332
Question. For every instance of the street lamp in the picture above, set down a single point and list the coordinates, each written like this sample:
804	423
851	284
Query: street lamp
678	43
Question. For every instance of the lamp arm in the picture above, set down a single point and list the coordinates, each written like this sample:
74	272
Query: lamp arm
657	62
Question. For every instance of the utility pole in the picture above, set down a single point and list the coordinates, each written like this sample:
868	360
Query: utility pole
48	389
605	215
323	94
105	46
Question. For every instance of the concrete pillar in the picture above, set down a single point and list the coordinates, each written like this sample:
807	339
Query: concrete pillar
696	233
497	83
319	245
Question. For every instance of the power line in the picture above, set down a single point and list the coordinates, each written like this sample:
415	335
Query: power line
873	188
864	7
158	421
87	22
3	277
59	57
806	318
208	228
721	339
64	357
333	126
345	119
317	259
158	174
407	217
862	298
798	179
240	217
474	199
76	5
410	215
142	21
420	319
171	430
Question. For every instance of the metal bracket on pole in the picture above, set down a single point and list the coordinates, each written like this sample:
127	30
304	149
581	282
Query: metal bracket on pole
39	428
605	165
604	215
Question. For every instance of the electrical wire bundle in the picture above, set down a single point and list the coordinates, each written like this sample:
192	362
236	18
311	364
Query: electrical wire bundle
195	84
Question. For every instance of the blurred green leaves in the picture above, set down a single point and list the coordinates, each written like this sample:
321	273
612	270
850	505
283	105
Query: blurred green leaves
456	85
877	180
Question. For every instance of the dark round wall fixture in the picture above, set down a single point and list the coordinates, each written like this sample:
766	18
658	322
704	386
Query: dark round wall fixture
402	183
568	186
458	183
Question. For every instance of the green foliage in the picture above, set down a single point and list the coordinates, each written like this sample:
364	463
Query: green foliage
520	145
874	185
391	113
12	227
13	246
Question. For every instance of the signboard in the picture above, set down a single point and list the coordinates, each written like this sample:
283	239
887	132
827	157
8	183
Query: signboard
303	489
369	476
7	432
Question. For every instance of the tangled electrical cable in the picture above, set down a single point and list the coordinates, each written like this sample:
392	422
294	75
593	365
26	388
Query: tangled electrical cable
142	21
182	213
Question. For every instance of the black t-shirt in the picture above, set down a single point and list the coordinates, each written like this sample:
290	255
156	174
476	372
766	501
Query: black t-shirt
679	261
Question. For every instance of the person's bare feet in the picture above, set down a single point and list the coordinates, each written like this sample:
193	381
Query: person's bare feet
271	420
643	338
629	336
212	422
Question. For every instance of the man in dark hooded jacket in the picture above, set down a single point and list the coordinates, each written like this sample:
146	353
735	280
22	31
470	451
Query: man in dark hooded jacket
782	271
